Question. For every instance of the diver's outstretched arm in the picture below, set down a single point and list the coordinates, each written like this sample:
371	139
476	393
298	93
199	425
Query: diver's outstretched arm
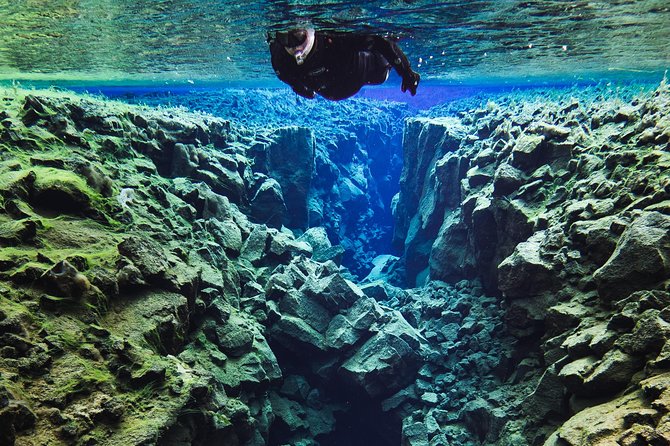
392	52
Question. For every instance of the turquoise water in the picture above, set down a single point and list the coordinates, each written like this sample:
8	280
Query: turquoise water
178	42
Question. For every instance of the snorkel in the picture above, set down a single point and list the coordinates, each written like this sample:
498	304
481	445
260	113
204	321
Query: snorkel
299	43
303	50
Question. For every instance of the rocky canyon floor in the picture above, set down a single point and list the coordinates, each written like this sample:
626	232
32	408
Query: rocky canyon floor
173	277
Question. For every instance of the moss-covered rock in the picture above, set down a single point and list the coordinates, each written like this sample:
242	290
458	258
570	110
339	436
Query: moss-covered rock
141	302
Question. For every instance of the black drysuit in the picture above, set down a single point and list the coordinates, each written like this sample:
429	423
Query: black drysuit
339	64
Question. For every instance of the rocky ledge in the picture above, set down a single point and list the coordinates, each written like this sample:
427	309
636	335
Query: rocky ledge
151	293
162	282
560	209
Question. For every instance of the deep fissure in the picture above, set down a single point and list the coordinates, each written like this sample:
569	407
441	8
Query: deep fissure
526	305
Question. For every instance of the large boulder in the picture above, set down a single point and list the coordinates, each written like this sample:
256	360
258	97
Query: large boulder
258	366
147	255
597	238
451	257
227	233
297	335
637	417
641	257
267	204
525	272
507	179
322	249
388	361
528	152
334	292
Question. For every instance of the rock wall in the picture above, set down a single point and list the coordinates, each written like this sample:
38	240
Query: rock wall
560	209
358	158
149	293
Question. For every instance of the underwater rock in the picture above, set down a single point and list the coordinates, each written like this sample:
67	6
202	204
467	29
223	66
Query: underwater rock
414	433
450	258
527	152
64	280
641	257
225	182
574	373
322	249
483	419
16	417
341	333
308	310
426	139
235	338
284	245
301	421
647	336
255	245
18	232
507	179
294	178
525	273
227	233
184	160
147	256
345	330
267	204
612	374
334	292
130	277
387	361
62	192
610	422
597	237
297	335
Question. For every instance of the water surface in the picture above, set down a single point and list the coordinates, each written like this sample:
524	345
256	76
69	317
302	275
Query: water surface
216	41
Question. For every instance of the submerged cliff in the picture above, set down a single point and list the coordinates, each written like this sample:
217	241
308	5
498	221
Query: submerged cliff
560	208
166	278
358	157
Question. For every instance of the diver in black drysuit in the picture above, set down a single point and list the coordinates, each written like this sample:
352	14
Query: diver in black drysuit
336	65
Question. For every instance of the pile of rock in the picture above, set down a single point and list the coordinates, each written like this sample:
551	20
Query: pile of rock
151	293
561	210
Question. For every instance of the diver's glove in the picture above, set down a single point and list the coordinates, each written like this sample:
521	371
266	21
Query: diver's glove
410	82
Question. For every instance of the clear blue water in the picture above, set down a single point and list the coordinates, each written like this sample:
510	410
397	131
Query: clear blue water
215	42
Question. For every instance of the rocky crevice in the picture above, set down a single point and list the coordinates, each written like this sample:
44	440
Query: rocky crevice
146	295
560	211
357	156
151	291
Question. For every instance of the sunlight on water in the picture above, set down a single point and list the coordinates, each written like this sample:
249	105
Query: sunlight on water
180	41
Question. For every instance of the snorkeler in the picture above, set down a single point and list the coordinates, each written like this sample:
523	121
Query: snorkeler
337	65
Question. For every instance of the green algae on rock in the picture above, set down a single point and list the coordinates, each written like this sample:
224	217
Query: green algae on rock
147	296
559	209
